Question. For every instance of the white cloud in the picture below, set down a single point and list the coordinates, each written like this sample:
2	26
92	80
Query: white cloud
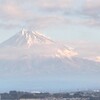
98	58
13	11
41	22
50	12
86	49
55	5
93	4
92	8
9	26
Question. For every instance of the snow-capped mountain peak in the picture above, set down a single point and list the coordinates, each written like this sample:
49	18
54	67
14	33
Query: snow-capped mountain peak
31	56
27	38
23	31
34	37
38	43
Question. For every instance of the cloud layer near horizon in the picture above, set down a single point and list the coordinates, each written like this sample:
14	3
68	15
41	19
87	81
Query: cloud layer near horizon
41	13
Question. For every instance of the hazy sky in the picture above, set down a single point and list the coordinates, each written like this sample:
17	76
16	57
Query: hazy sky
68	20
76	22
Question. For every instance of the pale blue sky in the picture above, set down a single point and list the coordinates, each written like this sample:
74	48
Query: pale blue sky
62	20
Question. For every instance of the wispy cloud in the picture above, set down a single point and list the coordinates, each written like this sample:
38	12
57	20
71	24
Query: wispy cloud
98	58
12	11
42	12
92	7
46	21
9	26
89	50
56	5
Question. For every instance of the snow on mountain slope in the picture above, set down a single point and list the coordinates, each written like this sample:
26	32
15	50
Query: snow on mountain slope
27	38
36	43
31	56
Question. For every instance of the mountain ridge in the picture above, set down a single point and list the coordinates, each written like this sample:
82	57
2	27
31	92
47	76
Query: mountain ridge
27	38
50	62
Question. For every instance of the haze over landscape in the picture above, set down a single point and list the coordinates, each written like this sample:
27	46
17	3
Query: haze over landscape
49	45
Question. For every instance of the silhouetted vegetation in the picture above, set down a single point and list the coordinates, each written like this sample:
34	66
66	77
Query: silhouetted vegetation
85	95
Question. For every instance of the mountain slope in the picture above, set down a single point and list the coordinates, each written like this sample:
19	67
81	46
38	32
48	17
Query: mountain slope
30	56
27	38
37	43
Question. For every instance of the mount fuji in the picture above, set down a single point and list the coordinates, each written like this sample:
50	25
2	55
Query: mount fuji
27	38
30	60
